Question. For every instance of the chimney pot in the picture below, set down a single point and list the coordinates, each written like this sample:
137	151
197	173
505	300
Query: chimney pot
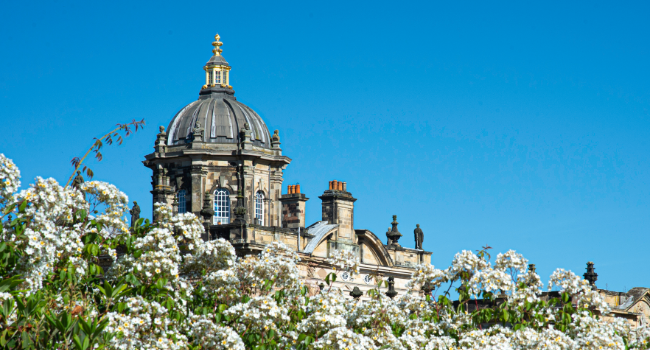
289	189
345	187
335	185
297	188
340	186
330	185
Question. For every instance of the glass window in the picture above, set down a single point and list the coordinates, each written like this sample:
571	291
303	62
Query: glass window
182	205
209	79
259	207
221	206
217	76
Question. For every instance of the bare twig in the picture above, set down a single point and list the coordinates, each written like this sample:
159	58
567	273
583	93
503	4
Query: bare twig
97	145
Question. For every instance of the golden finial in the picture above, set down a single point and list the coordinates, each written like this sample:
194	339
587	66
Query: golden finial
217	45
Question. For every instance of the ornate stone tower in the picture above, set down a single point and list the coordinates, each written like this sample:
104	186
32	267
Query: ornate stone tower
218	161
217	158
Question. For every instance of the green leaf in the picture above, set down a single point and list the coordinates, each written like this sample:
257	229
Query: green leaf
27	342
23	205
109	289
94	249
3	338
86	327
80	345
223	307
161	283
100	327
9	209
81	214
10	283
120	290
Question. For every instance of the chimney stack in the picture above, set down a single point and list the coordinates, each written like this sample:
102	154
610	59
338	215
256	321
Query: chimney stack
338	208
293	208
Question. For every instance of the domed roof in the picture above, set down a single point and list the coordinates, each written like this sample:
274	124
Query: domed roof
221	116
217	110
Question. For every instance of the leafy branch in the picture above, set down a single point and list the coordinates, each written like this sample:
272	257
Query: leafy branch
112	136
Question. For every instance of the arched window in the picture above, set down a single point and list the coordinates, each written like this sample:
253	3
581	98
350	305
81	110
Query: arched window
217	76
221	206
259	207
182	204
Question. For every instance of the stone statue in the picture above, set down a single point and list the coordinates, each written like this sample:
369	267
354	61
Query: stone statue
197	132
135	213
78	180
276	136
245	133
419	236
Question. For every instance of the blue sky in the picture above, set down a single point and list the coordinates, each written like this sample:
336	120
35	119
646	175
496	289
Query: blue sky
522	126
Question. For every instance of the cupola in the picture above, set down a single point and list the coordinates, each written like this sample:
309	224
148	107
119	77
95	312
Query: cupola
217	70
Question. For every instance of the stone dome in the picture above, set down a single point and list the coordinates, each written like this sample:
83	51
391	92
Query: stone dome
221	116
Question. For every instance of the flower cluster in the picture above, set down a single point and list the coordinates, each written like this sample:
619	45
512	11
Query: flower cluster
579	288
49	235
427	273
345	260
511	260
9	179
146	326
171	289
115	202
210	335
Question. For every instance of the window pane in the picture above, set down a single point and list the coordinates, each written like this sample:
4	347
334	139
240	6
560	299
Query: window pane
221	206
259	207
182	208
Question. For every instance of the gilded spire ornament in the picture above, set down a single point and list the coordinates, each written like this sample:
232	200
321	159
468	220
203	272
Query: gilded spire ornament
217	69
217	45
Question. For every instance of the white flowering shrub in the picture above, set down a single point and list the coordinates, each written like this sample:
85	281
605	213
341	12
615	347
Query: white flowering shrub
166	288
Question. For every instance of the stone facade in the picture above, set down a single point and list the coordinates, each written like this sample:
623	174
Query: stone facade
199	168
217	145
218	160
633	305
